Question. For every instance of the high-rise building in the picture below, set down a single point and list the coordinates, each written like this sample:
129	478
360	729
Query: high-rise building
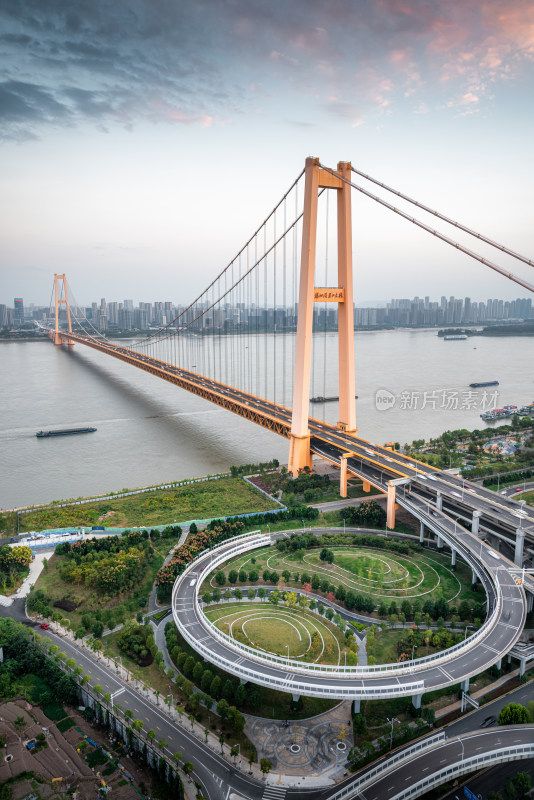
19	310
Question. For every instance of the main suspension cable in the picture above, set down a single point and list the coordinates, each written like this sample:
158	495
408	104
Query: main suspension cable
453	222
434	232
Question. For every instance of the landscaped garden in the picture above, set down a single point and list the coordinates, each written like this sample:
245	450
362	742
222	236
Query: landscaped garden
290	631
391	578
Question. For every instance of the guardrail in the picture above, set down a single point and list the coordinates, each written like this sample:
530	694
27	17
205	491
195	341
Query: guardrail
361	781
402	668
516	752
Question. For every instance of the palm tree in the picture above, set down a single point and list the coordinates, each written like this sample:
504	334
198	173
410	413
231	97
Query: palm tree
234	752
251	760
107	697
178	757
128	714
181	711
162	743
191	719
221	742
151	735
206	734
188	769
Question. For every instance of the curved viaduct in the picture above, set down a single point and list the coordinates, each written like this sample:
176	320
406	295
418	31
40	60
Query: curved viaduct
502	628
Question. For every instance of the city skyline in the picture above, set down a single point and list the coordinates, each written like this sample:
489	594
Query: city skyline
125	315
145	142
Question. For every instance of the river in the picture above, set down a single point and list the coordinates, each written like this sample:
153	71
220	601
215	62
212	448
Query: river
150	432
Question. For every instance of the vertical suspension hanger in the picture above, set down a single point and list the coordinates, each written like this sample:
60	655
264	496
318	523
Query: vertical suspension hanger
275	363
325	305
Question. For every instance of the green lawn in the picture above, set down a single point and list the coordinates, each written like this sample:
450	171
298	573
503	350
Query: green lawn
216	498
281	630
379	573
528	496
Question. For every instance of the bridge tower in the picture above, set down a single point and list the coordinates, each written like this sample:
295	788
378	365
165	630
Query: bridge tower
317	178
56	338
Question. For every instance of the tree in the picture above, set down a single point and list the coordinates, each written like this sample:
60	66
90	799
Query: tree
261	593
251	594
523	784
222	708
206	597
360	725
188	769
274	597
514	714
150	734
234	752
240	695
20	723
266	766
220	577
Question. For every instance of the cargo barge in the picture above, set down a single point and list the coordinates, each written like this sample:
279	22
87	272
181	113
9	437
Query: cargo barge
68	432
484	383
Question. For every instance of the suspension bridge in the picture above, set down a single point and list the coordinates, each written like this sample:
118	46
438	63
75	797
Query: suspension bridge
246	344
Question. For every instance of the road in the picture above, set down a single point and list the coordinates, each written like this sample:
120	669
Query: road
413	679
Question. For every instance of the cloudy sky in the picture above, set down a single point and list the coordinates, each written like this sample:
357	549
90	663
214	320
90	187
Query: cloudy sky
142	141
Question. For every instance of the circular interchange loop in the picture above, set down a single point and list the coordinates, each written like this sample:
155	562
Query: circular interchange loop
478	652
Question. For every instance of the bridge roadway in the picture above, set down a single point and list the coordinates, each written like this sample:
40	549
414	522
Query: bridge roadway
506	606
373	462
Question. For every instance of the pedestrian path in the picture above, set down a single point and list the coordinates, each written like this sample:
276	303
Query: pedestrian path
5	601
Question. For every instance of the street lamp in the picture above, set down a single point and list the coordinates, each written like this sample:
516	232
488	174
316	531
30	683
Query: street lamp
414	647
391	722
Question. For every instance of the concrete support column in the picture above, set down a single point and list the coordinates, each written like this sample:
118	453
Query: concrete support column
416	700
296	697
465	686
356	705
522	665
343	476
421	532
453	558
499	663
474	576
366	486
530	602
475	522
391	507
509	658
439	501
519	542
439	542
